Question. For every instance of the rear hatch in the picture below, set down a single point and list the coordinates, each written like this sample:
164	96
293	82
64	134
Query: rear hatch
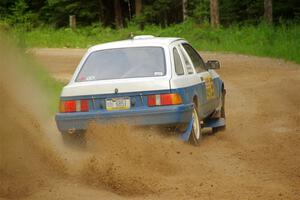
119	79
117	94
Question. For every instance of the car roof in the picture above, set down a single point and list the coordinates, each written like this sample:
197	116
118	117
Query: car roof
137	41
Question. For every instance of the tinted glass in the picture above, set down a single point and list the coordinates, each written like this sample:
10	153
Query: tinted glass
196	59
177	62
121	63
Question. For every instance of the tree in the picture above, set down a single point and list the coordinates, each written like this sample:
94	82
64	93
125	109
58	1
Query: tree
184	11
100	10
118	14
214	13
138	7
115	13
268	14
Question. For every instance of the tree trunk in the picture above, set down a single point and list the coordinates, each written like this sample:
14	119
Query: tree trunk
214	13
184	13
138	7
268	15
101	15
118	14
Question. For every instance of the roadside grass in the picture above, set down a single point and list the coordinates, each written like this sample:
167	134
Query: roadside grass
281	41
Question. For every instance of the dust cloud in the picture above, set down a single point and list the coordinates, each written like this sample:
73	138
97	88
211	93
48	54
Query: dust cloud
257	157
130	161
118	158
26	158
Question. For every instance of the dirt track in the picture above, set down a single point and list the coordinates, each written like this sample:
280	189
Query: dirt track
257	157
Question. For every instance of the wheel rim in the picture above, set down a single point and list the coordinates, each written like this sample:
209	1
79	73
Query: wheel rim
196	125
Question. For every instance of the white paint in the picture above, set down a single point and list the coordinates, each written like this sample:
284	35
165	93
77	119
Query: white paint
123	86
171	79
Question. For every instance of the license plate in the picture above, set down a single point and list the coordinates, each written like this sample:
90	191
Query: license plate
118	104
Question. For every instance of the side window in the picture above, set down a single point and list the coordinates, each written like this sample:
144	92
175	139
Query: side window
177	62
196	59
187	63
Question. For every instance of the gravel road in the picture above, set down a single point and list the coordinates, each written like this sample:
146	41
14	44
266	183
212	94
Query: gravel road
257	157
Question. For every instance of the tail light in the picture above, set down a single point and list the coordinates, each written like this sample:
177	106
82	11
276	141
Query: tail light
74	106
164	99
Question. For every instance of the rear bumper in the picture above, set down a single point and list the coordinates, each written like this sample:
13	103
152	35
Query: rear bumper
162	115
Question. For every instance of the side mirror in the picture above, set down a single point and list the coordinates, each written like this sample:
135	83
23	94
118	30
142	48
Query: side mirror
213	64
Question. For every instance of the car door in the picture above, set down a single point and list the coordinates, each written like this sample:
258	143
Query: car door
184	79
209	98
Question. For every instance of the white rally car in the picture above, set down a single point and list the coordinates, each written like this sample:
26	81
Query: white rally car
144	81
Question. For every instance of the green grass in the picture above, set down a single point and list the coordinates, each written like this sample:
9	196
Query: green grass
282	41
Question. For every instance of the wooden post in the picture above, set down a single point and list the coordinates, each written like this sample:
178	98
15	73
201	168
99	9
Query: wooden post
72	21
268	15
214	13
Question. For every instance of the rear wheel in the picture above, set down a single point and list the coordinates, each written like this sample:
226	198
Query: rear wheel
196	134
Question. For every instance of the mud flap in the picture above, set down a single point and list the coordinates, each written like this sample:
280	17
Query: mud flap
214	123
186	135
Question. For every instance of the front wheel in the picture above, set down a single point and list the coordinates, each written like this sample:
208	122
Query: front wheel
196	134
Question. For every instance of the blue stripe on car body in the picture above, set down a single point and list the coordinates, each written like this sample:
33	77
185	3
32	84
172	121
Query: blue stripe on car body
142	116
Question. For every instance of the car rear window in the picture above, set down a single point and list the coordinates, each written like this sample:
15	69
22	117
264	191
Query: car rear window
132	62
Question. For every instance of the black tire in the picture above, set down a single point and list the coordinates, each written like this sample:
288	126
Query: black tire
196	134
76	139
